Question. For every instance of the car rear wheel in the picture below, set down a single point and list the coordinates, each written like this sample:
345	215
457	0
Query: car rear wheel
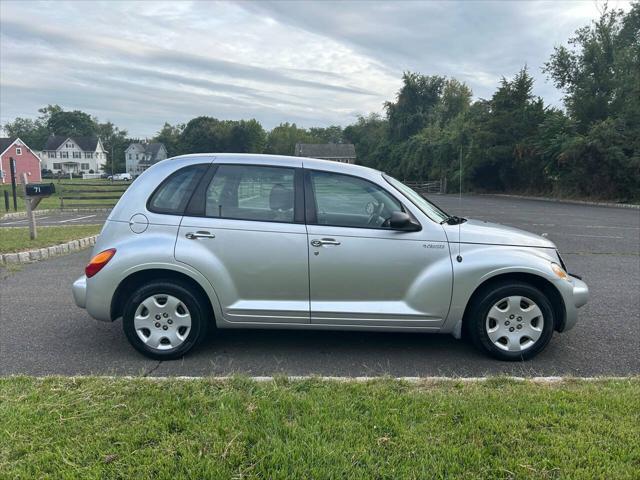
512	321
164	320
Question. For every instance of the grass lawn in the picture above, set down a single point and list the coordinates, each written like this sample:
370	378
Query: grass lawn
16	239
140	428
66	188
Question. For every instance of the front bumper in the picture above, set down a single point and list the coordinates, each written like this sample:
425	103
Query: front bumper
580	292
574	297
80	291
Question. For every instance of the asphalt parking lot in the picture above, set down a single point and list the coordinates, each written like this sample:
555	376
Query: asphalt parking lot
44	333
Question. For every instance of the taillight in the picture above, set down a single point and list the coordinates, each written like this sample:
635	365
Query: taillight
98	262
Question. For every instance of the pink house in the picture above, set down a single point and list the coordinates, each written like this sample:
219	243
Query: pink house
26	161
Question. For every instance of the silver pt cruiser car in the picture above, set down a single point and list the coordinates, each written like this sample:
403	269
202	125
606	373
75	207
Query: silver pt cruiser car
259	241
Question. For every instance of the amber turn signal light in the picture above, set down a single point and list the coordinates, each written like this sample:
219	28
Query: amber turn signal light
98	262
557	269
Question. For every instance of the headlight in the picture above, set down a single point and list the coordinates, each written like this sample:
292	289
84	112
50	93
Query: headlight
559	271
562	264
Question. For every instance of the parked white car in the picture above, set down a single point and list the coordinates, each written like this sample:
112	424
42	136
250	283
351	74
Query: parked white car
122	176
259	241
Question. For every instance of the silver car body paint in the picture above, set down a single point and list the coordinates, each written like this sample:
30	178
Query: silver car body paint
269	275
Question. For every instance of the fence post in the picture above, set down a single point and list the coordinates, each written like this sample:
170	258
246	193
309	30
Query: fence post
6	200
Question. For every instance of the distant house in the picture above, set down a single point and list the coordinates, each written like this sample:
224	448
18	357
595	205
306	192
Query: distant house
140	156
338	152
73	154
26	161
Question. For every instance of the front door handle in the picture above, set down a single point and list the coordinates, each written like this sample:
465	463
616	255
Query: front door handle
324	241
199	234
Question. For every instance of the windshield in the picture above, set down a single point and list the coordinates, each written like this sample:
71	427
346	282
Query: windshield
429	209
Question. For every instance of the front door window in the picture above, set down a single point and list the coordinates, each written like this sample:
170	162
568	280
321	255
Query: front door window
346	201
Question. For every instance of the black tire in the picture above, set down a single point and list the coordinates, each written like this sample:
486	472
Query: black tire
485	300
199	310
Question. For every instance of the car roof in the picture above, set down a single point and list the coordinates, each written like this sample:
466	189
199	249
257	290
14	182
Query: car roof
282	160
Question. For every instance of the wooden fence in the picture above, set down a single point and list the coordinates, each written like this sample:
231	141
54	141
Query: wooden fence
90	195
429	187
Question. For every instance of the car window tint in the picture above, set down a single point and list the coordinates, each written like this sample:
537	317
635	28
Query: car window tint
174	193
251	193
346	201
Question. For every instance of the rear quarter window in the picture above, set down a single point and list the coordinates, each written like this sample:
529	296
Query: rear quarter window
173	194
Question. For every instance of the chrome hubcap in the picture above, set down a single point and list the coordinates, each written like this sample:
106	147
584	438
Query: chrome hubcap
514	323
162	322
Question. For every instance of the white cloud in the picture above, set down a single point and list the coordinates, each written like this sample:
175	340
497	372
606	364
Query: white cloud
139	64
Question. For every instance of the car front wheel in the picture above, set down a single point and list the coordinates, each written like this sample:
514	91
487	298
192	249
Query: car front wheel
511	321
164	320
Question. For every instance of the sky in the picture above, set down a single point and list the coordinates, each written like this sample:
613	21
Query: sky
140	64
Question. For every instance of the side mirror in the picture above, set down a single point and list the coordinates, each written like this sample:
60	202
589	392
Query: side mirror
402	221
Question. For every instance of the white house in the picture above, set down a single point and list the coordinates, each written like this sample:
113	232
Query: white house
73	154
140	156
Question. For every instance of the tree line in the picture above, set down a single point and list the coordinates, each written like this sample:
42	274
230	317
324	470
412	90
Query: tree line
433	129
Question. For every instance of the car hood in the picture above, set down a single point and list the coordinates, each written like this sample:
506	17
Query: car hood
478	231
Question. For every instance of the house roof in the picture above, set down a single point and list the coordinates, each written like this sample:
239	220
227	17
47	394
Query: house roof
325	150
6	142
154	148
151	149
88	144
138	147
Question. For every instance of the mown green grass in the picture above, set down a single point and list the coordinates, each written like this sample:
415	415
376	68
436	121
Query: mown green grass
124	428
66	187
16	239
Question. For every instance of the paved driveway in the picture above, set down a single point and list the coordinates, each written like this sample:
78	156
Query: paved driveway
44	333
59	218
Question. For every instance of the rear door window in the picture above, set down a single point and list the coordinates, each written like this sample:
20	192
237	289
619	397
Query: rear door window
249	192
172	196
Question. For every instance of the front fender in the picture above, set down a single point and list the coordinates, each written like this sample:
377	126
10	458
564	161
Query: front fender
480	263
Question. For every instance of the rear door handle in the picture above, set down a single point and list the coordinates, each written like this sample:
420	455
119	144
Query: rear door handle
199	234
324	241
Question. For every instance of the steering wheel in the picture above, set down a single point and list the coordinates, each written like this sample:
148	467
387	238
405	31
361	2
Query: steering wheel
376	214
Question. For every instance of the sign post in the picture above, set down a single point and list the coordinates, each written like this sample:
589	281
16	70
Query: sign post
33	193
12	168
33	232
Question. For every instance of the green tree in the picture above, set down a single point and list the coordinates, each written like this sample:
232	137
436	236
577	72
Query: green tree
414	105
33	132
283	138
170	136
369	135
246	137
204	135
599	73
599	70
504	156
331	134
72	123
115	142
455	101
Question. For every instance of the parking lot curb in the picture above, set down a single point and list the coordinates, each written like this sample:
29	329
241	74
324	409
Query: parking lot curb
29	256
563	200
18	215
542	380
